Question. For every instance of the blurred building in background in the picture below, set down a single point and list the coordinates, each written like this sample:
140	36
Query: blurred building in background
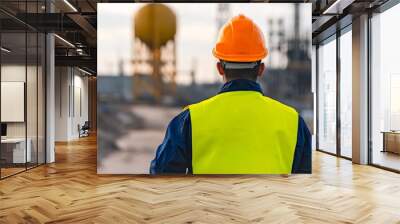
288	78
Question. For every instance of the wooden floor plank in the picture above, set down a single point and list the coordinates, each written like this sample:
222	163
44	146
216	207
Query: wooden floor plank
70	191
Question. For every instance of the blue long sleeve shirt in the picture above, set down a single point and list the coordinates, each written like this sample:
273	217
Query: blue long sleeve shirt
174	155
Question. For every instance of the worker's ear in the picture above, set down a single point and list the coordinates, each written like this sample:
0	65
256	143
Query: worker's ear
261	69
220	68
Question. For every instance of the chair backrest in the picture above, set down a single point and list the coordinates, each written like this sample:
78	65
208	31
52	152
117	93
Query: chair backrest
86	124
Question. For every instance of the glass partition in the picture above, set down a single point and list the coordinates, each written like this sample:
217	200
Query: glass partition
14	153
22	76
327	96
41	110
34	60
31	99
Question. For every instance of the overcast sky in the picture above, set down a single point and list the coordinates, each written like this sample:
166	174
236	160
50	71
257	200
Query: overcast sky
196	33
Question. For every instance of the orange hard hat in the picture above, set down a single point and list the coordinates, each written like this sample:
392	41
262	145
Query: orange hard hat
240	40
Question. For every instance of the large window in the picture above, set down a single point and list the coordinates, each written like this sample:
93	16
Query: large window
334	65
385	89
346	93
327	96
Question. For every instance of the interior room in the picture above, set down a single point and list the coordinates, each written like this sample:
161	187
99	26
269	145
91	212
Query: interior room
22	100
25	102
71	100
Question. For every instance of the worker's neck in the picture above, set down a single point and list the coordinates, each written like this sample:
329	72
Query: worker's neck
238	79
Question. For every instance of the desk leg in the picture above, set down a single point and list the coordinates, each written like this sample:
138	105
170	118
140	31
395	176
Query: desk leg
384	142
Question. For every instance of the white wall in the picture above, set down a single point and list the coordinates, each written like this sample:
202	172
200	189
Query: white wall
33	125
12	73
81	83
80	105
71	87
62	82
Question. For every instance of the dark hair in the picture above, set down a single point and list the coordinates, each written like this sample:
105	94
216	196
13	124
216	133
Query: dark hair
247	73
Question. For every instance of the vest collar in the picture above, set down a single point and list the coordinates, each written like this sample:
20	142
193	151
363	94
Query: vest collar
241	85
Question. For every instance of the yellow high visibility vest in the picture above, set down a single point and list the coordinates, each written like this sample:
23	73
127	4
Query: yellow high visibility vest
242	132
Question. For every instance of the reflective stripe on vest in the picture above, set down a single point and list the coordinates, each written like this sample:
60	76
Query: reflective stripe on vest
242	132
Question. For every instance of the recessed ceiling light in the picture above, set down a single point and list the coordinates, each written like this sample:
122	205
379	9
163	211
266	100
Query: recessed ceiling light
84	71
337	7
5	50
64	40
70	5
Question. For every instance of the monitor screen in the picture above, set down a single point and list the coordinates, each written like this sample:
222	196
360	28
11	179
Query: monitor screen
3	129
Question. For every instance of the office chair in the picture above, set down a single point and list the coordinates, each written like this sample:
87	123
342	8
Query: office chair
84	130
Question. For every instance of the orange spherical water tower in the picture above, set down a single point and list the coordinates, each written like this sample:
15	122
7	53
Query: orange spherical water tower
154	52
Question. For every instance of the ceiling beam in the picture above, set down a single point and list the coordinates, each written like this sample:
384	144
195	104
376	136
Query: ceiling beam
337	7
84	24
49	22
78	61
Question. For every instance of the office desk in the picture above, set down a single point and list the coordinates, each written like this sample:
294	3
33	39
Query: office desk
391	141
13	150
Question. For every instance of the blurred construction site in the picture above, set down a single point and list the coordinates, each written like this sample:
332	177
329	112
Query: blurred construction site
134	107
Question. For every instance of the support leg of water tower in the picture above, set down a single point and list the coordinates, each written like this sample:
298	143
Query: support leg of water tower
157	78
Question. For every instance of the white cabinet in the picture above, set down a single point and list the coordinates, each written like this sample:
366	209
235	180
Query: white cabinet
18	149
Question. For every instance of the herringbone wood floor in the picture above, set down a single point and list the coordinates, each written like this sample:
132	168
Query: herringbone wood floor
70	191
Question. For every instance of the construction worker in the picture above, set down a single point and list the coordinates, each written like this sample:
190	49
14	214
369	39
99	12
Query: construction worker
238	131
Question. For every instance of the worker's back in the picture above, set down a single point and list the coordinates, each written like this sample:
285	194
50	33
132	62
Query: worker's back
242	132
238	131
